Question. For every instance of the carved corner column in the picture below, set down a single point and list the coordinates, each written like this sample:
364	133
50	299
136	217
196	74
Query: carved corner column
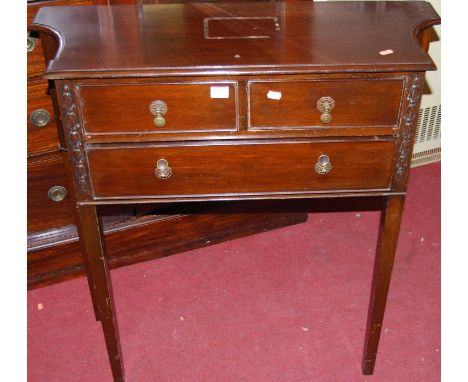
73	133
414	85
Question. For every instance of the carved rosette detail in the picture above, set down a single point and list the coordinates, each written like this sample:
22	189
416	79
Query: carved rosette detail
74	138
410	116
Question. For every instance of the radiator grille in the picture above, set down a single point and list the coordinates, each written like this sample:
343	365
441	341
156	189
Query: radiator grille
425	157
428	124
427	141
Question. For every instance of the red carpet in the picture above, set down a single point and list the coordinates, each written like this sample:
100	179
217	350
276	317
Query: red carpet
288	305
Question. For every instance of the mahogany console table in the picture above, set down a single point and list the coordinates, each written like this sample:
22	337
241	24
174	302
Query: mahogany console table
204	102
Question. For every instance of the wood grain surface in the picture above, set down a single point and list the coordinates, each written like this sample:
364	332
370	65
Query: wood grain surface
303	37
265	167
358	102
367	104
36	63
124	108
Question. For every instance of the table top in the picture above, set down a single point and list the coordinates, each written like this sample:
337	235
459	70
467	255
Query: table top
237	38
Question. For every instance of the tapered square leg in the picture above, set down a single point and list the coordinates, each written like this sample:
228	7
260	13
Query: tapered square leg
386	247
84	254
93	243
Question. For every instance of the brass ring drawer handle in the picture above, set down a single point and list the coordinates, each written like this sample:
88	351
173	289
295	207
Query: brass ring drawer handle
325	105
57	193
158	108
163	171
40	117
323	165
31	42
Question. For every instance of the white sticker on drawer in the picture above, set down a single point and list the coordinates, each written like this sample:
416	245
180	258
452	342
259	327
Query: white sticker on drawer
386	52
274	95
219	91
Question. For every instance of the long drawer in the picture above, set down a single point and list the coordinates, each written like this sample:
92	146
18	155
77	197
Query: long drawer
225	169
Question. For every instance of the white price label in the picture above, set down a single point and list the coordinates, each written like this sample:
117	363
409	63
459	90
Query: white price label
219	91
274	95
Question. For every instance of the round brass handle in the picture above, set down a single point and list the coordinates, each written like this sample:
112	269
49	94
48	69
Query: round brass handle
159	121
40	117
323	165
57	193
325	105
31	42
325	118
163	171
158	108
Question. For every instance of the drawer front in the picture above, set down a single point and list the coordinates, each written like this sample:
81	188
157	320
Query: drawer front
189	107
49	201
294	104
42	128
237	169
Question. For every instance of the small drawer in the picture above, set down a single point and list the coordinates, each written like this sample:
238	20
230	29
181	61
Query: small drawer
248	168
148	108
325	103
49	202
42	128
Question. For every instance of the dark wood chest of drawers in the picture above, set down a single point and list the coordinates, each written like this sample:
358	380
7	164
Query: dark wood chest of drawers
240	101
